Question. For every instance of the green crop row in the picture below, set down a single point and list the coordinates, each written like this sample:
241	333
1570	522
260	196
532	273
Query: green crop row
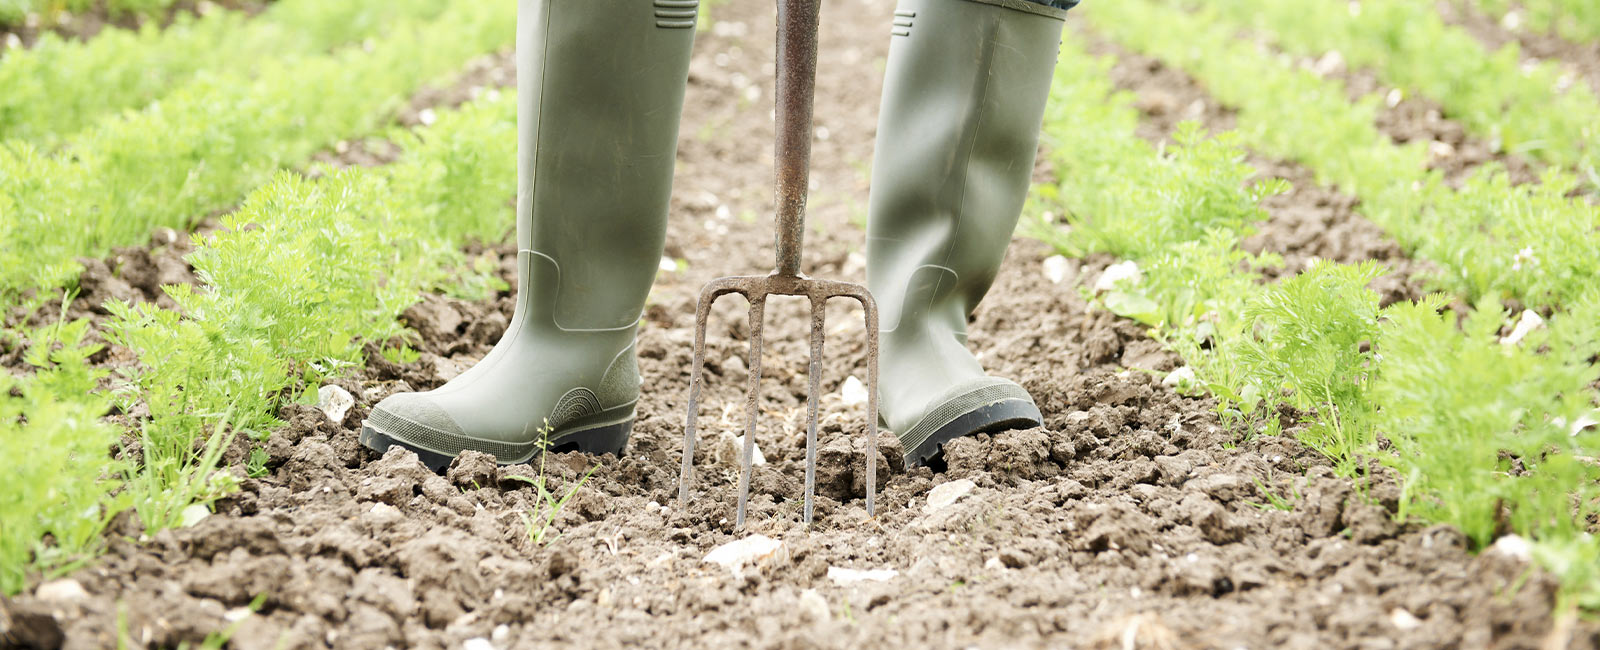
1489	239
206	144
1477	429
1536	110
14	12
53	450
294	282
1574	20
60	86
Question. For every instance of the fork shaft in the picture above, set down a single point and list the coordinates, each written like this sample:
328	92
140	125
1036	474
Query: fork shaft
797	77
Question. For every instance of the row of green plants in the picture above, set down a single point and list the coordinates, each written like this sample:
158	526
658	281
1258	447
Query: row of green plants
1481	432
1538	110
206	144
302	274
1489	239
50	13
1575	20
53	445
60	86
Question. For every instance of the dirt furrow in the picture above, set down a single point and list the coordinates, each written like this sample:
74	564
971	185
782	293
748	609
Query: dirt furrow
137	273
85	25
1582	60
1134	518
1310	221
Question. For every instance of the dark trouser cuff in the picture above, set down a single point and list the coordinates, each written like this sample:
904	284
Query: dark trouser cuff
1059	4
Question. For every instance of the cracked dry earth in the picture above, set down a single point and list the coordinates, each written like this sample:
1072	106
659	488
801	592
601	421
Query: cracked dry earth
1134	518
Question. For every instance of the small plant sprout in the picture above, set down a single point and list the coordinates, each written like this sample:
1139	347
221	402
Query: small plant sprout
546	505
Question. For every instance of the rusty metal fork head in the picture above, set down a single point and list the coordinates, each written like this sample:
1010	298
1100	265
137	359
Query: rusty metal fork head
797	62
756	289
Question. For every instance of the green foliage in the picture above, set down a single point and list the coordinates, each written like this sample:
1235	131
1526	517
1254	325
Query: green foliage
302	273
1574	20
293	284
1449	407
53	454
59	86
52	12
1534	109
1498	240
1307	341
202	146
1483	433
1481	237
547	506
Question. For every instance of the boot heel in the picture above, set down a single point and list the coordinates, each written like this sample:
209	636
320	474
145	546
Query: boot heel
604	439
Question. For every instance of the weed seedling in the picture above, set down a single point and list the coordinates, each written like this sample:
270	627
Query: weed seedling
547	506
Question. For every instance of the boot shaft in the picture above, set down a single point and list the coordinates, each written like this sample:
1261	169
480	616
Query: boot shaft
601	86
964	95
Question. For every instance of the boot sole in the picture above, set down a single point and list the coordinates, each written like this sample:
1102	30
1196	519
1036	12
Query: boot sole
597	440
999	416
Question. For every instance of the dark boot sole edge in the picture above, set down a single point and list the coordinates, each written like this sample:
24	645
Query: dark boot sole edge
608	439
999	416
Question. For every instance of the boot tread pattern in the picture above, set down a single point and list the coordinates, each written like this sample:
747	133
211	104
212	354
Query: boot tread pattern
577	403
677	14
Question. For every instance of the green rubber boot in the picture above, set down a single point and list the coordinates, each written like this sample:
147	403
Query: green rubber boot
601	85
963	97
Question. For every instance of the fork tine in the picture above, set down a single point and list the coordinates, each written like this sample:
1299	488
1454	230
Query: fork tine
702	317
819	312
870	306
758	305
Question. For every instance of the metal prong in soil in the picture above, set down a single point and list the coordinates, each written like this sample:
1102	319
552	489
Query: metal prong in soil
756	289
797	75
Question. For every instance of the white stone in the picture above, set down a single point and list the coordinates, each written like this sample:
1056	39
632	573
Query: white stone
994	564
853	392
61	590
1583	423
1124	273
668	265
1180	378
479	643
1529	322
814	607
385	512
756	457
1330	63
193	514
501	633
1058	268
843	576
335	402
1513	546
737	554
944	494
1403	620
427	116
237	614
1394	97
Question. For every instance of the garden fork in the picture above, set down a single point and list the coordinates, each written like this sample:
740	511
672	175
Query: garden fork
796	72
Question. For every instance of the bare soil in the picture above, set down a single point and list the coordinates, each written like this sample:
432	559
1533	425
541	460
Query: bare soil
1135	518
1581	59
86	24
1310	221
